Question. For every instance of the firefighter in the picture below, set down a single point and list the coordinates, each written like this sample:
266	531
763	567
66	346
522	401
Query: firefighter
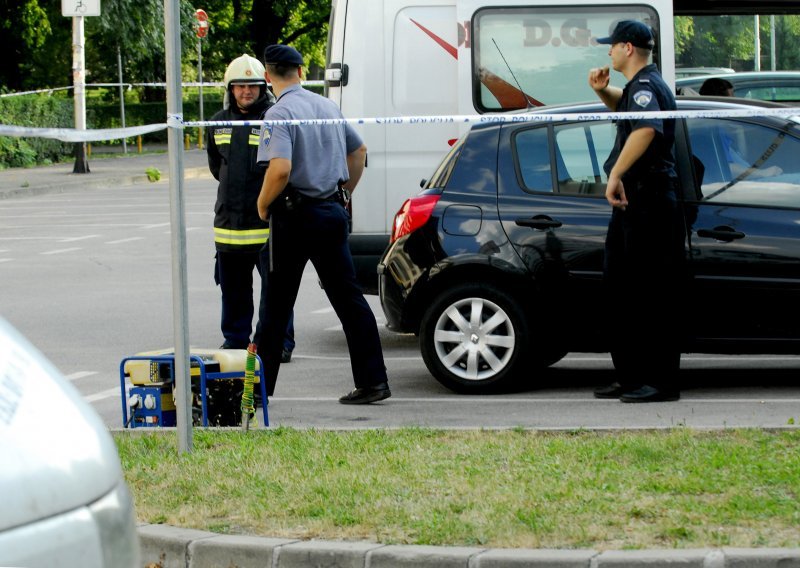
240	235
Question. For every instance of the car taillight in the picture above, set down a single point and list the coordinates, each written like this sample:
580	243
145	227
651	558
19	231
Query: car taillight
414	213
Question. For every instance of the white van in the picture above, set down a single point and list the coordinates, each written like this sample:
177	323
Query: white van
398	58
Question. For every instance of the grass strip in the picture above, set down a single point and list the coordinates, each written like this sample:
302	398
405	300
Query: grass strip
623	490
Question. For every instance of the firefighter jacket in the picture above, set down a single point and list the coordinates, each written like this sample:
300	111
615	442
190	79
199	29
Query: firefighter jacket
232	161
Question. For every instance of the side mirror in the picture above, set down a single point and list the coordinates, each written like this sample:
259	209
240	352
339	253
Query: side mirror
422	182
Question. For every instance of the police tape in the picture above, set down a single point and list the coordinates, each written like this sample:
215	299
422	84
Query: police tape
176	121
75	135
534	116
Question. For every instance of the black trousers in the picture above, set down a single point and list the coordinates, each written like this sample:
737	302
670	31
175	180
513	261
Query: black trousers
645	277
317	231
233	273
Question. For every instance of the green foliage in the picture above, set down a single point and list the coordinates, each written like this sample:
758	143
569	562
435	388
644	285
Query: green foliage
729	41
42	112
684	33
35	26
35	39
153	174
136	27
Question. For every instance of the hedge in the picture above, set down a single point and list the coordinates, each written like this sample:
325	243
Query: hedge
32	110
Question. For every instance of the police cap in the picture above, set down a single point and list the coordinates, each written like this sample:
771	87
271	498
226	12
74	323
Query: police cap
282	55
636	33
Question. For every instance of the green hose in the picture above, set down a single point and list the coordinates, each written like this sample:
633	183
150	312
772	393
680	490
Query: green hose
248	402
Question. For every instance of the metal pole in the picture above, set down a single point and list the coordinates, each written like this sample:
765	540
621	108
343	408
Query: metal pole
180	308
773	63
79	93
757	56
200	80
121	98
200	73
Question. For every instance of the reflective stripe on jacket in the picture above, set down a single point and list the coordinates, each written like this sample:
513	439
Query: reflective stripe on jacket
232	160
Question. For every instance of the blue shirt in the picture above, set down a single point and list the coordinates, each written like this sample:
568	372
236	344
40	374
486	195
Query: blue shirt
318	152
646	92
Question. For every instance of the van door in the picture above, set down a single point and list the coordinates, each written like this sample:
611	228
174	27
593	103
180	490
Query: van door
336	70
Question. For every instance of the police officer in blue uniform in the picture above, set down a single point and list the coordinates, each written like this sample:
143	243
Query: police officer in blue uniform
643	268
239	234
311	170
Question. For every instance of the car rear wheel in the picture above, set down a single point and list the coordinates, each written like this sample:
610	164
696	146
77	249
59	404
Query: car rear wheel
474	338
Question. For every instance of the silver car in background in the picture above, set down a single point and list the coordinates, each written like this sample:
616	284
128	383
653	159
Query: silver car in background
776	86
64	498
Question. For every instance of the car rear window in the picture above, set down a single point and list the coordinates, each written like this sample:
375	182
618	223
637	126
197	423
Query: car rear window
443	172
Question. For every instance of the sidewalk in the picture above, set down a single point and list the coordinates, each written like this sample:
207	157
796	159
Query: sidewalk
105	170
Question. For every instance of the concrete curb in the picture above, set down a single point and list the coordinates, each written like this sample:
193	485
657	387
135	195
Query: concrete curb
164	546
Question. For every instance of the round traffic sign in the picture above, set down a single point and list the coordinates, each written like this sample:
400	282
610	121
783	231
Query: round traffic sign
202	23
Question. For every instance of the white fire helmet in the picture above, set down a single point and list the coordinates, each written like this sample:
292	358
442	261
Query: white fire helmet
244	69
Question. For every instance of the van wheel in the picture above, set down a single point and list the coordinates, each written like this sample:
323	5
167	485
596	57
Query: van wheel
474	338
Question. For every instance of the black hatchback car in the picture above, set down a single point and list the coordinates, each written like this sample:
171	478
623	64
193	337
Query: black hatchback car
497	263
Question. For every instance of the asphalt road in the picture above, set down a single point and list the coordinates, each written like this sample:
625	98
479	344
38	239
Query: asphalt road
86	276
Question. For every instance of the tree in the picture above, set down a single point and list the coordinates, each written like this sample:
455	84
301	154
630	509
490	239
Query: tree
24	28
136	28
248	26
304	25
729	41
36	38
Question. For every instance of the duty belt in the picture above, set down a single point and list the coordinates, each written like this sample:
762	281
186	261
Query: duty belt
290	199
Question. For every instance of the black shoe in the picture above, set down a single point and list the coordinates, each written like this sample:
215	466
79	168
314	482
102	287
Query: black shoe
651	394
286	356
366	395
614	390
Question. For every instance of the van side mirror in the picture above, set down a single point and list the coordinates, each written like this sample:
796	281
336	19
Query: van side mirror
422	182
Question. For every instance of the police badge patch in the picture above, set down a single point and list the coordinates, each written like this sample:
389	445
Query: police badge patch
643	98
267	132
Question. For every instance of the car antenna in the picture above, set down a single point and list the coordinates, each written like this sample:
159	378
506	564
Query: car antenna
527	100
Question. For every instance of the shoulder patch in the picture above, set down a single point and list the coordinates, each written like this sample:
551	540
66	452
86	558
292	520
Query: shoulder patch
266	133
644	80
642	98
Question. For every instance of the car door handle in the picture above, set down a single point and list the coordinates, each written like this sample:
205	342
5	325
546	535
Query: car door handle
722	233
541	222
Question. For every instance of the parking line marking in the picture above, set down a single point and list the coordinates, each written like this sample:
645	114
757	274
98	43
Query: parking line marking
80	375
72	239
102	394
347	358
59	251
327	310
129	239
483	400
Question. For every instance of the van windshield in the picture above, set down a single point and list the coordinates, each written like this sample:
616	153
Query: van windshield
546	51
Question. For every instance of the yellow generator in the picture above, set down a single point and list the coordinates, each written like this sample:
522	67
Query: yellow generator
218	380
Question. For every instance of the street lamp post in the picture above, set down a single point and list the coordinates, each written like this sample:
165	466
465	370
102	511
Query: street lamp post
77	10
